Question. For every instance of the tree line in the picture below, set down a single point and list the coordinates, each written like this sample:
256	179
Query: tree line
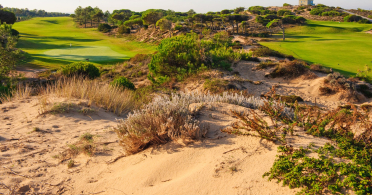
24	14
163	18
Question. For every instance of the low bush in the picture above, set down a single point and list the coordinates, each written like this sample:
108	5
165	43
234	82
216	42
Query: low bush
324	174
336	82
290	69
264	65
140	58
365	90
123	29
169	118
178	27
332	13
215	86
14	32
288	99
266	52
159	122
284	12
84	69
103	27
352	18
182	55
370	16
123	83
320	68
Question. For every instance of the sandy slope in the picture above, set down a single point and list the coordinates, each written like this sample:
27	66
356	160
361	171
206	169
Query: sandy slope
183	167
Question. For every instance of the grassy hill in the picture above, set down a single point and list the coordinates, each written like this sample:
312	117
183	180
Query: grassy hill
342	46
48	40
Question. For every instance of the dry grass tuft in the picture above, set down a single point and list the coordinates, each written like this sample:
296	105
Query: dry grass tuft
85	145
159	122
21	92
320	68
290	69
70	164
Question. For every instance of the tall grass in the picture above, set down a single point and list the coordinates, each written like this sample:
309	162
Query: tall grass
109	97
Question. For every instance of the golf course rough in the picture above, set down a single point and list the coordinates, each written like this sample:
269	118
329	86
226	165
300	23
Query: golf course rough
51	42
344	46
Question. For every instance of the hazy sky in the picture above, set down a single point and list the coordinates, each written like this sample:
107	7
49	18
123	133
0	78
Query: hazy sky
201	6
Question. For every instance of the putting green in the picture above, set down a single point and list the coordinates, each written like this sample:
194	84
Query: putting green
47	42
344	46
93	53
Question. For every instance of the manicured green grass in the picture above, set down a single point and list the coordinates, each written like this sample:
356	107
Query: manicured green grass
345	47
47	41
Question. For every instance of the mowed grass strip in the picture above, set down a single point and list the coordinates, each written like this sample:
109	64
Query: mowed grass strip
48	41
344	46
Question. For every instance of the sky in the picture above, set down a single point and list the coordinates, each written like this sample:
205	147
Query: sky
200	6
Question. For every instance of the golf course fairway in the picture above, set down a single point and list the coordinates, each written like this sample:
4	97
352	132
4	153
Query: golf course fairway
344	46
51	42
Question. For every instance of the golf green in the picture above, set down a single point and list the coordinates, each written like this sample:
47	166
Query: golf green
51	42
344	46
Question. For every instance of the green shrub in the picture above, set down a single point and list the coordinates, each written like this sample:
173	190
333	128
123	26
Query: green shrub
370	16
331	13
104	28
352	18
123	29
286	4
14	32
84	69
284	12
123	83
182	55
178	27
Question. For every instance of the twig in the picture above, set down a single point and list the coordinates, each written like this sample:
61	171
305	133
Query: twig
115	159
11	171
231	150
94	193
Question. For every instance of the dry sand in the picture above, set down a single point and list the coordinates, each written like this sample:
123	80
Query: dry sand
220	164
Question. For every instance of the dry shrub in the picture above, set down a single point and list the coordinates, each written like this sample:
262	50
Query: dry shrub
251	122
167	118
290	69
320	68
267	64
216	85
141	58
337	83
159	122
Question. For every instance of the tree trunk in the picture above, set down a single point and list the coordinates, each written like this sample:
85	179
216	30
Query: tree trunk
237	28
91	22
85	23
